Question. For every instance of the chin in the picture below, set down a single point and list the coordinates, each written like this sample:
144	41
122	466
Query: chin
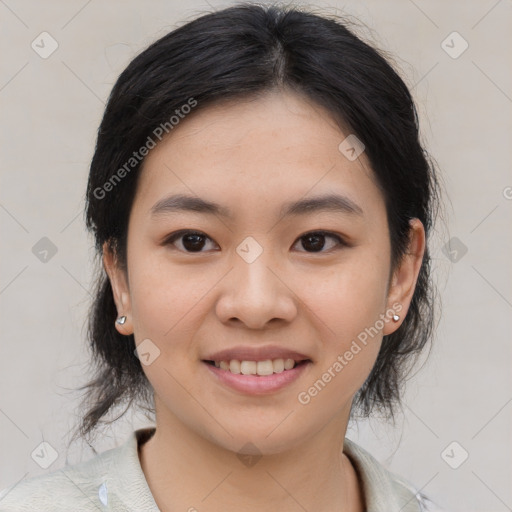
248	440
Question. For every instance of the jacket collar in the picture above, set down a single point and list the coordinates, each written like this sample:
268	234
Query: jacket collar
383	491
126	485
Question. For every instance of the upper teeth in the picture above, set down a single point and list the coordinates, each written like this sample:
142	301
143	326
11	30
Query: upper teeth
267	367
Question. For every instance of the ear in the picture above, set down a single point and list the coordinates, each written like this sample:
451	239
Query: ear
405	276
120	289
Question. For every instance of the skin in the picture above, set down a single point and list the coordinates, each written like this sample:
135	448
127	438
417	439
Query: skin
252	157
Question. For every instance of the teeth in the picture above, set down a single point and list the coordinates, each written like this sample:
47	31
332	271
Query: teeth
267	367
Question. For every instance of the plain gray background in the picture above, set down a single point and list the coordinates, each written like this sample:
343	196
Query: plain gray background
51	109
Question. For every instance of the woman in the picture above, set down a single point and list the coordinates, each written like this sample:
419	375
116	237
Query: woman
261	204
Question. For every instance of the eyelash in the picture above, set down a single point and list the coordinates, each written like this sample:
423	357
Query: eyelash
328	234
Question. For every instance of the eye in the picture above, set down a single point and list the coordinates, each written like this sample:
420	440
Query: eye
315	240
192	241
195	241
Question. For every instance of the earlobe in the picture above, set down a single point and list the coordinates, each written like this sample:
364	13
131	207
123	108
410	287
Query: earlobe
405	276
120	291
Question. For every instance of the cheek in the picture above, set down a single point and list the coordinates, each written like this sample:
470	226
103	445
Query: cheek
164	296
347	307
350	346
347	298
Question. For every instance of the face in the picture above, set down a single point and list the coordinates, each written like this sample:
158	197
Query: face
311	283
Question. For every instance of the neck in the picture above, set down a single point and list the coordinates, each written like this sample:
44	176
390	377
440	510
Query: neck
186	471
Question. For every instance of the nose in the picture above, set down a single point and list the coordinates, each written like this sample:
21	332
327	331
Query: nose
255	293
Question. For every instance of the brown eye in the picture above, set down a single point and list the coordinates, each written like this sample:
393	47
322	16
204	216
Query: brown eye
191	241
315	241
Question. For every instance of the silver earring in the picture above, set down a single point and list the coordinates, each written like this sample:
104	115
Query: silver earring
121	320
396	318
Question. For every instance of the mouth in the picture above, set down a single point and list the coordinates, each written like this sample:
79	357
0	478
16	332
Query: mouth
257	378
258	368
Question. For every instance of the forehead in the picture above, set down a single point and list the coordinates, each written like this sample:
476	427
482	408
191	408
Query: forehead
254	153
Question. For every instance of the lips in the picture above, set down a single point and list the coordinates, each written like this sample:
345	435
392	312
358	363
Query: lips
245	353
257	385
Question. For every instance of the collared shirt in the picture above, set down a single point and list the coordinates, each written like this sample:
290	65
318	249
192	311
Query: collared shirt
114	481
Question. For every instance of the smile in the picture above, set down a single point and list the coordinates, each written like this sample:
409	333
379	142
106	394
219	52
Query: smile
267	367
257	377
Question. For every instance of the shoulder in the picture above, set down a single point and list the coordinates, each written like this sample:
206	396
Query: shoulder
74	487
112	480
384	490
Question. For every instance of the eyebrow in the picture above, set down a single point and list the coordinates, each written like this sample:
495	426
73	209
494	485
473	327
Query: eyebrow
328	203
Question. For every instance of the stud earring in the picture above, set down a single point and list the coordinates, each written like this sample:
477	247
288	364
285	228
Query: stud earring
121	320
396	318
